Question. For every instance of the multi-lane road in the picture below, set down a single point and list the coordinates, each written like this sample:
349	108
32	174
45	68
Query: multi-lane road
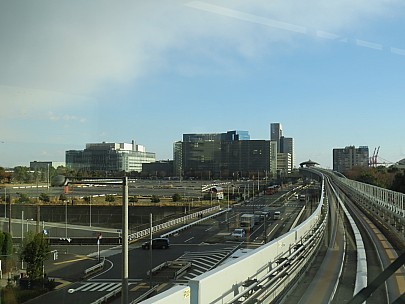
205	246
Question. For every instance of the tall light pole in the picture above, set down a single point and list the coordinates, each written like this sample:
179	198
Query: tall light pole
47	179
22	236
90	210
5	201
66	227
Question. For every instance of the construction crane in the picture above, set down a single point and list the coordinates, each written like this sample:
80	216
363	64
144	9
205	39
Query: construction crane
373	159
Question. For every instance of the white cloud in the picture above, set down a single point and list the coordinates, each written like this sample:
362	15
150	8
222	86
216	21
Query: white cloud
56	57
78	47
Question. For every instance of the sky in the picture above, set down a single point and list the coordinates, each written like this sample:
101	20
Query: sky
76	72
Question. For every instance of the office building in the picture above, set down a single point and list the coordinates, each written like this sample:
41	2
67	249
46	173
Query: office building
284	144
223	155
345	159
44	165
287	146
158	169
109	157
276	132
283	163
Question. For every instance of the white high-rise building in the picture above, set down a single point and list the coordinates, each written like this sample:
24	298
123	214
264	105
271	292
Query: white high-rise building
109	157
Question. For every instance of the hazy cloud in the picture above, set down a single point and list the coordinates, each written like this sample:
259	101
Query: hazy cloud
78	47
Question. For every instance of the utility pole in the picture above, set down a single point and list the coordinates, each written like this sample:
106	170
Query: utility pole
150	251
9	215
124	297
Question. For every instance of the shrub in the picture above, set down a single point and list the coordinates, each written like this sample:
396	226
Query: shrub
110	198
176	197
155	199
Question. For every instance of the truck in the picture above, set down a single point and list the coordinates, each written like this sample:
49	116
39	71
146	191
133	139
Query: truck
247	222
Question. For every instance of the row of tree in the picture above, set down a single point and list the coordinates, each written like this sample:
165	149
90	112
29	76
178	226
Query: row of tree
389	178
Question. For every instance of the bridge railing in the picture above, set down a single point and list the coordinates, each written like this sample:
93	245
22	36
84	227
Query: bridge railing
390	200
181	220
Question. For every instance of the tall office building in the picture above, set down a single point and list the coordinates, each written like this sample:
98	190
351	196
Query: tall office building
223	155
276	132
109	157
284	144
348	157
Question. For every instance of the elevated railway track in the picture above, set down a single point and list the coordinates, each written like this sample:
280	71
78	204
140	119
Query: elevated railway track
355	247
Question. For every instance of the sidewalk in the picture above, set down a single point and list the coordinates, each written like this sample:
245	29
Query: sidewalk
67	266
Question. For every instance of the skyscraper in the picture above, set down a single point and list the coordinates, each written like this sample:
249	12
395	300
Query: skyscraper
284	144
276	132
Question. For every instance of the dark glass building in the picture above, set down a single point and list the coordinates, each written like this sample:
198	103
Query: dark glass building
222	155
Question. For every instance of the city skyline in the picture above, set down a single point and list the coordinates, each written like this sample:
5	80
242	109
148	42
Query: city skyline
72	73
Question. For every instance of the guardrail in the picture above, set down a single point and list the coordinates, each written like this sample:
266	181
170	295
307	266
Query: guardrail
145	295
94	268
184	267
180	220
158	267
193	223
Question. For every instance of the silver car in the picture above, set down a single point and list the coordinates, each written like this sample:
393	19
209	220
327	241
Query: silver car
238	233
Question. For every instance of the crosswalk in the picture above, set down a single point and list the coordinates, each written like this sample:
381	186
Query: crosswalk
203	261
98	286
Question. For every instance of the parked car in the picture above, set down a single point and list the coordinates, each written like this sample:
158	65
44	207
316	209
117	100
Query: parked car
238	233
157	243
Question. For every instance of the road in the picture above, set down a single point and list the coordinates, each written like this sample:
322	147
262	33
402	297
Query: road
204	245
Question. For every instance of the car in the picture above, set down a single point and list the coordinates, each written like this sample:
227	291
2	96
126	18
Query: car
157	243
238	233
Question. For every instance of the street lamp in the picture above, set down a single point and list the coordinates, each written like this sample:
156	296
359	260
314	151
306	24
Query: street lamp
60	180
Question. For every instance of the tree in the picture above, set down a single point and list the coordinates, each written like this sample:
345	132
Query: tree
6	250
7	245
176	197
4	176
34	252
21	174
398	183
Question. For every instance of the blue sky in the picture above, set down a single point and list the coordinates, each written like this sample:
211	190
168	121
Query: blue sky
331	72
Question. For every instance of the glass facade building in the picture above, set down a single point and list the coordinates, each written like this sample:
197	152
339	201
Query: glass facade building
276	132
223	155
